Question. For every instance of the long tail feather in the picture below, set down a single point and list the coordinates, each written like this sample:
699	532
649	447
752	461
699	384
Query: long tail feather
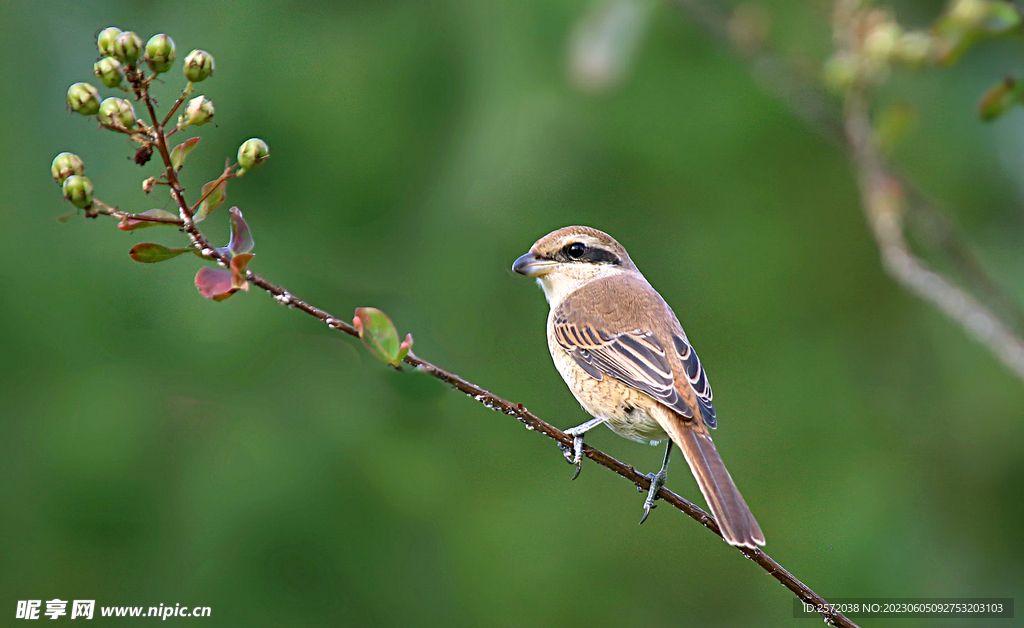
734	517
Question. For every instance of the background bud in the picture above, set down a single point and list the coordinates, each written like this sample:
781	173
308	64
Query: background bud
160	53
127	47
78	190
198	65
105	41
117	112
64	165
199	111
914	49
252	153
84	99
108	71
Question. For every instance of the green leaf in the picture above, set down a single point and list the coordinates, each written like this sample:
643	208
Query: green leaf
149	253
181	151
131	224
380	337
998	99
212	201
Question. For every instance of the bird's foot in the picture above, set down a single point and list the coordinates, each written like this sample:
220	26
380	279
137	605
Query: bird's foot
574	454
657	481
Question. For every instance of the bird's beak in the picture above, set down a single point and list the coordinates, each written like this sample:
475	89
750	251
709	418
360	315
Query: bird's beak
532	266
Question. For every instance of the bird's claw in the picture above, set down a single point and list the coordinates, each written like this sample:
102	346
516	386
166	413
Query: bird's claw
657	481
574	454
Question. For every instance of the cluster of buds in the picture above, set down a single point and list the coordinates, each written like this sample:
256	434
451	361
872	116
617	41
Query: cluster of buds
879	43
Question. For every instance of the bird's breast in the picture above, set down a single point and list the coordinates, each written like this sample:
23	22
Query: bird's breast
626	411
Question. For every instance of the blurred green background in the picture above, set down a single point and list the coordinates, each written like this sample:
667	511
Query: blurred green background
156	447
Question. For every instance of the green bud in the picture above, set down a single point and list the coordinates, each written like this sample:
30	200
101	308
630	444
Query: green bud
199	111
64	165
108	71
252	153
78	190
842	71
117	112
160	53
914	49
881	41
198	65
127	47
968	14
105	41
84	99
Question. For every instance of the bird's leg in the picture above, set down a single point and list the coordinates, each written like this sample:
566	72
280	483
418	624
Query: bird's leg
575	455
657	481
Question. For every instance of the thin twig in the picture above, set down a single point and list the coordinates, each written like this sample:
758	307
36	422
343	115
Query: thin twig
481	395
810	104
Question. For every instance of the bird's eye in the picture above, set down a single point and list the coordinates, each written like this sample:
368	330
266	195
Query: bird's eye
575	250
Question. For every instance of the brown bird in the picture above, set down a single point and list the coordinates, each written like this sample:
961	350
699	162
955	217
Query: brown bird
626	359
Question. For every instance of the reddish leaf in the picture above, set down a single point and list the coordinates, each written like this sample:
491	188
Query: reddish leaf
241	238
214	283
131	224
181	151
149	253
212	201
238	266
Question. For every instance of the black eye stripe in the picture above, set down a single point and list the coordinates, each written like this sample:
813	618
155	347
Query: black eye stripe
579	252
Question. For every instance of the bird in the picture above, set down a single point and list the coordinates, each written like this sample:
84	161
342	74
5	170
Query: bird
624	355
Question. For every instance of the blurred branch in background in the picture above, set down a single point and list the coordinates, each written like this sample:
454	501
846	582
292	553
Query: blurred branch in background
231	273
891	201
882	197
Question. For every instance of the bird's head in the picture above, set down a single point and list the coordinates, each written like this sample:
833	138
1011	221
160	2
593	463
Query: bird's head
570	257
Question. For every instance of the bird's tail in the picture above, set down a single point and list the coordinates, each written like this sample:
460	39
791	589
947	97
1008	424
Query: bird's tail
734	517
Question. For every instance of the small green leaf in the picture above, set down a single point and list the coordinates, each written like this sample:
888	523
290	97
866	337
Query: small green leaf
212	201
998	99
181	151
132	224
380	337
149	253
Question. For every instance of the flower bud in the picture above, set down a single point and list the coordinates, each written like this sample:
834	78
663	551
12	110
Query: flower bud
252	153
127	47
198	65
914	49
78	190
105	40
84	99
199	111
64	165
160	53
117	112
882	41
108	71
842	71
968	14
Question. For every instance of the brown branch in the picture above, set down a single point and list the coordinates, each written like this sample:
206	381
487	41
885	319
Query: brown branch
481	395
994	326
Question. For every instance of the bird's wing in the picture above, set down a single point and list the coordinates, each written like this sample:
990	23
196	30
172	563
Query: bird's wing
634	357
696	377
